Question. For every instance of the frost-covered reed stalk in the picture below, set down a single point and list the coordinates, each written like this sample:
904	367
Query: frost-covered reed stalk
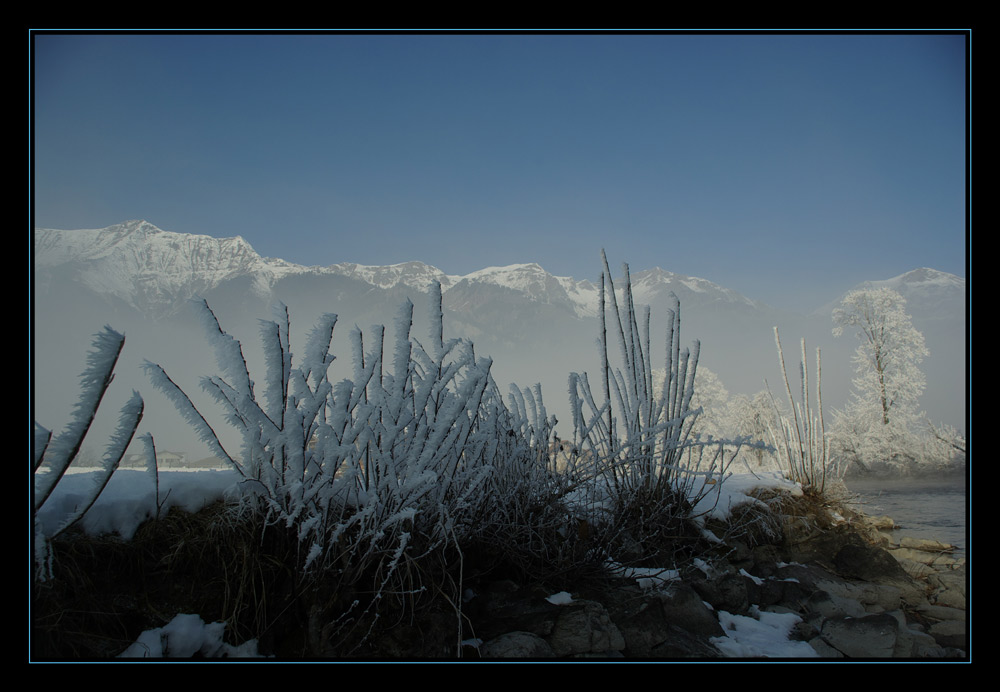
641	441
52	457
801	439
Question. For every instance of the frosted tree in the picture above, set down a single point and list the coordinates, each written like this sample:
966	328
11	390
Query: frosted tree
754	418
877	423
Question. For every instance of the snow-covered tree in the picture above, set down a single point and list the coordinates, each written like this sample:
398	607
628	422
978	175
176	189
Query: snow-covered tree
878	423
944	447
711	396
755	417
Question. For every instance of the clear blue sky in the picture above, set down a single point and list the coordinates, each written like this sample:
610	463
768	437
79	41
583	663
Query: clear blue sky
784	166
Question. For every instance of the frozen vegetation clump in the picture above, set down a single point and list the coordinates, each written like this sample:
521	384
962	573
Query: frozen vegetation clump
380	475
648	464
52	456
800	437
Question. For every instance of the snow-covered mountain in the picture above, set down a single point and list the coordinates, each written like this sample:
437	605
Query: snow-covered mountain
536	326
929	293
153	270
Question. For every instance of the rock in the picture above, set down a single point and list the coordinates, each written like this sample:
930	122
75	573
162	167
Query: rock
871	636
727	592
877	566
953	580
950	599
584	627
765	560
950	588
874	597
766	592
937	559
950	634
516	645
682	606
882	523
868	563
829	606
803	631
940	613
673	624
915	644
823	649
641	623
925	544
911	642
916	570
681	644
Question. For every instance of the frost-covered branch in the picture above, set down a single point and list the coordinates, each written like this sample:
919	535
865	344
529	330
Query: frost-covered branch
95	380
53	456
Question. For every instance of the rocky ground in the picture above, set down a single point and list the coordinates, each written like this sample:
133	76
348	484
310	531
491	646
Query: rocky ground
855	592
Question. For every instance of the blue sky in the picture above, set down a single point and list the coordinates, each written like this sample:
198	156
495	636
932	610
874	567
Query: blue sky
785	166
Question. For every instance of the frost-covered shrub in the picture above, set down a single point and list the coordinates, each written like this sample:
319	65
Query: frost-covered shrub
52	456
415	454
649	466
800	436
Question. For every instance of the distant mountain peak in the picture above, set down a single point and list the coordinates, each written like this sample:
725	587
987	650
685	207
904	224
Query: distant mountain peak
926	275
527	268
146	266
928	290
140	224
920	280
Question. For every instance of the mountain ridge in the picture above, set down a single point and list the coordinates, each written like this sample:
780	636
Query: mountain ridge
125	259
118	258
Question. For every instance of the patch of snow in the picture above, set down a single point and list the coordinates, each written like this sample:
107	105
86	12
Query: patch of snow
735	490
185	636
765	636
561	598
128	499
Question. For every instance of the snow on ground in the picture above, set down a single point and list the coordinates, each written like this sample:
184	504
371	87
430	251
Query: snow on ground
185	636
129	500
735	490
765	635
